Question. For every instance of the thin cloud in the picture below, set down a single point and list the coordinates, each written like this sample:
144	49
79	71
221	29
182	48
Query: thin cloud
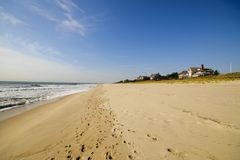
36	48
67	23
66	5
8	18
44	14
73	25
30	47
70	23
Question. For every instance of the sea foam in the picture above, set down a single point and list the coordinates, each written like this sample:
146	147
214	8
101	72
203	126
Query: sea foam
16	94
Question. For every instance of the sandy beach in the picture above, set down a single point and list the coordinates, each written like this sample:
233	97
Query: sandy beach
130	121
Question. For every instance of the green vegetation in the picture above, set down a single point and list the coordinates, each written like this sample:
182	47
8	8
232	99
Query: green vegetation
205	79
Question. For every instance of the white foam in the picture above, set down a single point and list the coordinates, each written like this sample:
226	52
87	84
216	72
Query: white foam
16	94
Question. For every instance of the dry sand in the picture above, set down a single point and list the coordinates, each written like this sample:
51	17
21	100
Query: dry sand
130	121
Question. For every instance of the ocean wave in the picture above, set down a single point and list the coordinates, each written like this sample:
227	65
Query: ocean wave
14	95
36	85
11	104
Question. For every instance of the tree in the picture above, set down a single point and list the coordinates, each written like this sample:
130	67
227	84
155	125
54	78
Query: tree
216	72
173	75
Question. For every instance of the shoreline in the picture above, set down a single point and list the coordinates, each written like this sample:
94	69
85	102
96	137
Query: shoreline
6	114
14	111
130	121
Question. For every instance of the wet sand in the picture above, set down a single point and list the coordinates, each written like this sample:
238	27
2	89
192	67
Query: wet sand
130	121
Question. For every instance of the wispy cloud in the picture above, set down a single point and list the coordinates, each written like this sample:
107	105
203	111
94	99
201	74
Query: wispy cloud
8	18
44	14
67	5
73	25
70	23
30	47
67	22
36	48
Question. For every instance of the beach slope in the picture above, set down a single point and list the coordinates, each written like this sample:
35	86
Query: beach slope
130	121
75	127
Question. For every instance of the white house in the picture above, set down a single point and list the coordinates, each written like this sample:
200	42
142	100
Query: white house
196	72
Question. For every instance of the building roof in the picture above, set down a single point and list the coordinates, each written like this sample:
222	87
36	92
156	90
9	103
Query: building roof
194	68
184	72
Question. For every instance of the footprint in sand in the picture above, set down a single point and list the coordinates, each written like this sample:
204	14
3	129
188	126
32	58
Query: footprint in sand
130	157
129	130
81	134
169	149
176	153
108	156
153	138
83	148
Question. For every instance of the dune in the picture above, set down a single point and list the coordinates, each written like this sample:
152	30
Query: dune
130	121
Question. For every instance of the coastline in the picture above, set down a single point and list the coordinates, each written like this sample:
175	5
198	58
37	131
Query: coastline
130	121
14	111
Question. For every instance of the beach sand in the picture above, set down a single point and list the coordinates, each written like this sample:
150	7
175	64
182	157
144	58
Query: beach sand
130	121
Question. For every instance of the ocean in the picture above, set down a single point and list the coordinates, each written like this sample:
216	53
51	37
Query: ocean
17	94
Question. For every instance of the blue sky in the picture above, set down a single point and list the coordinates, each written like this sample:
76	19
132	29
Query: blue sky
104	41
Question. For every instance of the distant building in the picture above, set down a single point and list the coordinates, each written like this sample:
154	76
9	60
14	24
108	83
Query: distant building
156	76
196	72
199	71
183	74
193	70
